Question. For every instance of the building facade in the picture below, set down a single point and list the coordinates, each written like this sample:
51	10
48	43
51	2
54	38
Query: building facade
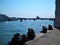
57	14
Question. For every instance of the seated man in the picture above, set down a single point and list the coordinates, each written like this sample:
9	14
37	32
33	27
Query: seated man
44	29
50	27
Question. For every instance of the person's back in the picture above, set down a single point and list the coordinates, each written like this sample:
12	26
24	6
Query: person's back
32	34
24	38
32	31
50	27
15	40
28	34
44	29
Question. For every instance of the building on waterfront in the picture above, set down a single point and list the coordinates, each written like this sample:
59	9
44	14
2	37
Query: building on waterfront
57	14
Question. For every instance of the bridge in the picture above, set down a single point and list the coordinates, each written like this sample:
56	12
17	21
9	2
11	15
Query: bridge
35	19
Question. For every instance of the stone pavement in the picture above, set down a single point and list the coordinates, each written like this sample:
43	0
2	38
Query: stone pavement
50	38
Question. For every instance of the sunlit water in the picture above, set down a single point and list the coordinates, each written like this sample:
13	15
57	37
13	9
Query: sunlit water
7	29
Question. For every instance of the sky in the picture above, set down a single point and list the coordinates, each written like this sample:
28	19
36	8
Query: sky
28	8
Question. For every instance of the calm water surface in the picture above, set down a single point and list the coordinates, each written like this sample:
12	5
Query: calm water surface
7	29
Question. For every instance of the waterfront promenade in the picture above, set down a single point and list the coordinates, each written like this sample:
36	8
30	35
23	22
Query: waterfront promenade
50	38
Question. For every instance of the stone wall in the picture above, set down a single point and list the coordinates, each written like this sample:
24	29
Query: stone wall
57	14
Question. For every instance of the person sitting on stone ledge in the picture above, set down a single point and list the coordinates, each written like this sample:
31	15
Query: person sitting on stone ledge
14	40
23	39
50	27
44	29
17	40
30	34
